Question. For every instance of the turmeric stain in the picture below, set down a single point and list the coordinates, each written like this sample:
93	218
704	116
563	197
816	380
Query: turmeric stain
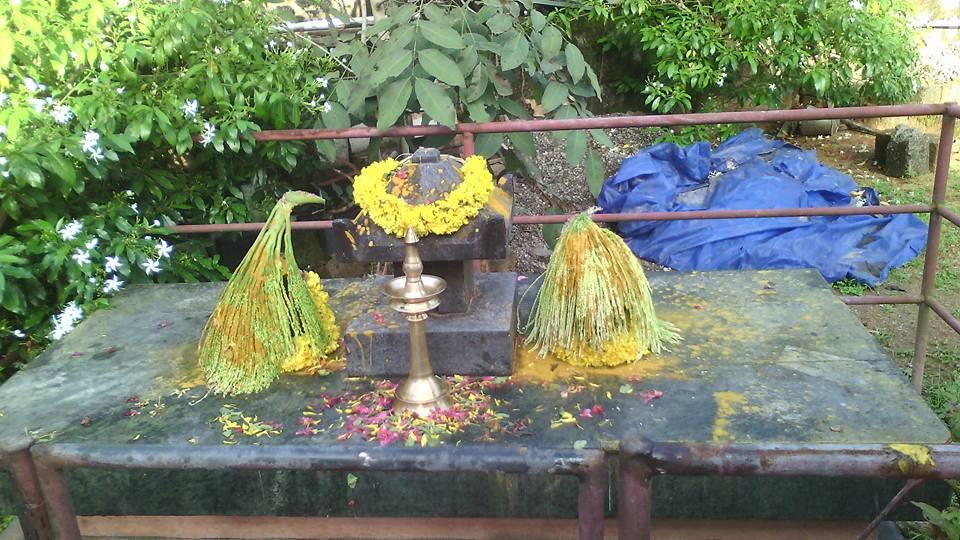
917	456
530	367
729	404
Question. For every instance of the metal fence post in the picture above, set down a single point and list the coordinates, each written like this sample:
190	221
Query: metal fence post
928	286
636	500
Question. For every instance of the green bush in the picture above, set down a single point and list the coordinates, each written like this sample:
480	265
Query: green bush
100	101
684	56
470	61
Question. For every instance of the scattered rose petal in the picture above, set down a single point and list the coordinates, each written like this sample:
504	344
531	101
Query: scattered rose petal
133	399
650	395
165	325
698	307
76	354
131	412
86	421
598	410
586	413
521	278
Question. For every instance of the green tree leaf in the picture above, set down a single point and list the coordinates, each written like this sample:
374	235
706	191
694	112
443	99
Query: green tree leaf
524	143
488	144
435	102
550	42
576	146
576	65
391	66
554	95
441	66
500	23
551	231
392	103
441	35
337	116
514	52
595	172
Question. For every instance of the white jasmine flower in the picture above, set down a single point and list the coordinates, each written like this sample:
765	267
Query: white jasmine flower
313	103
135	209
112	265
326	106
3	161
65	322
3	98
132	18
104	66
151	267
216	50
122	3
92	280
128	193
31	84
96	155
121	90
772	87
92	243
81	256
209	132
323	82
71	230
73	55
190	108
289	44
18	334
112	285
856	4
38	104
90	141
163	249
61	114
272	44
156	223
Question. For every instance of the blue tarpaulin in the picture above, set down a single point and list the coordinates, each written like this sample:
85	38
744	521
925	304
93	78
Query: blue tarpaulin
751	171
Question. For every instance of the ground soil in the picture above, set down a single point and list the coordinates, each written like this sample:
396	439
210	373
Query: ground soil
849	151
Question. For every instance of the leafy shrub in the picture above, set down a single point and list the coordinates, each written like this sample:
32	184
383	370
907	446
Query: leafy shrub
697	55
465	61
100	102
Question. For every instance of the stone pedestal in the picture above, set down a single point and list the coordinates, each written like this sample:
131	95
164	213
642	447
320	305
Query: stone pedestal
478	342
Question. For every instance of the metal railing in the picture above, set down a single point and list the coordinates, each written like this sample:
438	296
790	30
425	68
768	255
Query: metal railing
936	208
641	460
586	465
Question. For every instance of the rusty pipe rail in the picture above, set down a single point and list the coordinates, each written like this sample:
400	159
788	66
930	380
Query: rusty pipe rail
641	460
31	512
610	122
586	465
543	219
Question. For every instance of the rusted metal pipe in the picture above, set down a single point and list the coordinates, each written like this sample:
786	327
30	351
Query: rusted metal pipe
877	299
820	460
952	109
302	457
944	314
616	218
660	120
28	496
928	285
63	520
592	498
952	216
904	491
469	148
636	499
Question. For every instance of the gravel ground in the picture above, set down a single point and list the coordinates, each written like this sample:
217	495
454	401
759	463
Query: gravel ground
567	186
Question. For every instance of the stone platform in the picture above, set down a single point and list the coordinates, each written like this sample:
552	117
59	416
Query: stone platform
478	342
767	357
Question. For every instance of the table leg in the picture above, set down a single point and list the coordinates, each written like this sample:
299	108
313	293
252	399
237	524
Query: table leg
63	520
635	500
30	509
593	484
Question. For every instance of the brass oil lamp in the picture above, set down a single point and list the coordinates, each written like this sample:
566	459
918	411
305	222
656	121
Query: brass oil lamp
413	295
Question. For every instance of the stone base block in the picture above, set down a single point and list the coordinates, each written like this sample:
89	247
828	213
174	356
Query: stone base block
478	342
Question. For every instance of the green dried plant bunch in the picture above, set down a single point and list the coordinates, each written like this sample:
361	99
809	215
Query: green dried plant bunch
265	315
594	306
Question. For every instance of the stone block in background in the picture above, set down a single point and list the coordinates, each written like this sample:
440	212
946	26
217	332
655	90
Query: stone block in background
907	153
880	143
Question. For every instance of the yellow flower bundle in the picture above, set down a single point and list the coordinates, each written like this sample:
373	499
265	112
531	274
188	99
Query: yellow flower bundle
594	306
269	319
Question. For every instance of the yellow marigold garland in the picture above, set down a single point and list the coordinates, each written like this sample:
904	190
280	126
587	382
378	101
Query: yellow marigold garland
443	216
